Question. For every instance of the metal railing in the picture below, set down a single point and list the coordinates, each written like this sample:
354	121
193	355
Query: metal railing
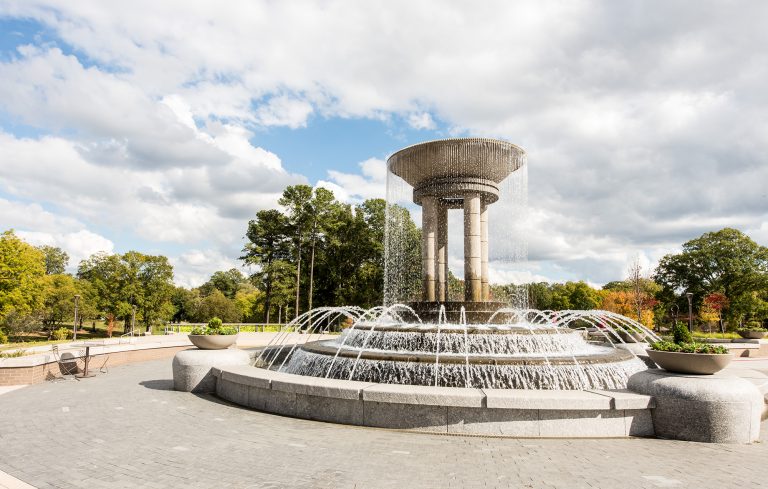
180	328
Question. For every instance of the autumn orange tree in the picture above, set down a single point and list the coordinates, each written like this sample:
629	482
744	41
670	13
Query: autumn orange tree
712	308
624	302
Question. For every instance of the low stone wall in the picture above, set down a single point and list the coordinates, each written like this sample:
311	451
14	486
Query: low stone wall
34	369
751	350
518	413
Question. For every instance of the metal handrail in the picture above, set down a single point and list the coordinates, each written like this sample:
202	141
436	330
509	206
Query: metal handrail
258	327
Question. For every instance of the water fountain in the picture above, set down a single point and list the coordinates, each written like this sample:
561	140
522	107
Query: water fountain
478	341
472	361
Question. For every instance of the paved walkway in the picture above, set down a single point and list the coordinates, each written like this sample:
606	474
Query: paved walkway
129	429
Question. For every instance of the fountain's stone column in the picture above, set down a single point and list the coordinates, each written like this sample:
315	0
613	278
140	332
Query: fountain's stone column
472	248
484	252
442	252
428	245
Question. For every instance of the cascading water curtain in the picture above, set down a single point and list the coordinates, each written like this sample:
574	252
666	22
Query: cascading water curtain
508	239
402	244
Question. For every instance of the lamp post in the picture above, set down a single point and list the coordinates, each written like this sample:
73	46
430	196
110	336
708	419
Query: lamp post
689	295
133	318
74	327
675	310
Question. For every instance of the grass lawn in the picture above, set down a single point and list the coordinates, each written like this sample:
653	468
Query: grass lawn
719	336
98	329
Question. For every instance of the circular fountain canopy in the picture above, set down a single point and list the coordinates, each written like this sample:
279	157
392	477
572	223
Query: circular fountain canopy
462	163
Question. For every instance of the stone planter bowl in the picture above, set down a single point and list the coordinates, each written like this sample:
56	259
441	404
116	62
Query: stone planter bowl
630	337
751	334
691	363
213	341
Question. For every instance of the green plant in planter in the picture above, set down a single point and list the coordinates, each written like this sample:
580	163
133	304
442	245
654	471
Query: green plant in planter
215	327
680	334
753	326
688	347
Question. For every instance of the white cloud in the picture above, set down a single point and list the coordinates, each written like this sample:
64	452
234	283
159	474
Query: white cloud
284	111
194	267
642	130
116	122
38	227
78	245
421	120
371	183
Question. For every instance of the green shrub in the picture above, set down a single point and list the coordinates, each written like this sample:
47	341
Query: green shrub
665	346
13	354
707	348
3	337
681	334
61	334
754	326
215	326
688	347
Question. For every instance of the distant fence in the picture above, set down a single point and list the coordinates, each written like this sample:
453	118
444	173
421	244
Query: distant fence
171	328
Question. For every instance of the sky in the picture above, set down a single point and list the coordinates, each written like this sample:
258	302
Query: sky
164	127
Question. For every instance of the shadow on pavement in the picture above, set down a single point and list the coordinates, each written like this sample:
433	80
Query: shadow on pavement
160	384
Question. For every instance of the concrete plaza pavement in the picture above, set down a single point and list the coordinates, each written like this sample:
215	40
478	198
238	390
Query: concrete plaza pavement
128	429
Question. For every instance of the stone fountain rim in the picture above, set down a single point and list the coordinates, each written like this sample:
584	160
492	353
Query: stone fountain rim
611	355
456	410
453	140
432	169
432	328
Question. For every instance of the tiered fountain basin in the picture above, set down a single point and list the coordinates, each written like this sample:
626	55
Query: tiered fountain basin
448	410
520	356
381	372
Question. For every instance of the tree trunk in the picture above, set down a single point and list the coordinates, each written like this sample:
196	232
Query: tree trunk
268	299
311	278
298	279
312	269
110	324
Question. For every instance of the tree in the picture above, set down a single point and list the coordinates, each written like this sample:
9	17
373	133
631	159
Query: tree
248	300
350	263
217	305
106	274
185	304
321	207
56	259
297	201
59	292
634	297
228	282
712	308
281	274
268	248
725	261
130	281
635	279
574	295
156	288
540	296
624	302
22	267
